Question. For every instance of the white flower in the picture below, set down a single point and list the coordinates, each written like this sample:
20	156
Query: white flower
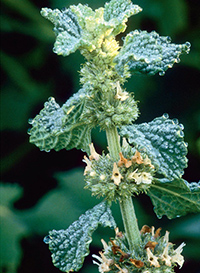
125	144
120	94
165	257
146	178
124	161
88	168
105	245
139	178
116	175
152	259
93	153
104	265
137	158
166	238
147	161
177	257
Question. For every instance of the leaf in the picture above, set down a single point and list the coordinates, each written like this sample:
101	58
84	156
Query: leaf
174	198
69	247
162	140
118	12
9	194
62	127
66	28
149	53
12	229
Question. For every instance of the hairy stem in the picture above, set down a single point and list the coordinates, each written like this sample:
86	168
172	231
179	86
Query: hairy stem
126	205
113	142
130	223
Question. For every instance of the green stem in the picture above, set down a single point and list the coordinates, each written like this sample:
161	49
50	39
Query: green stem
126	205
130	223
113	142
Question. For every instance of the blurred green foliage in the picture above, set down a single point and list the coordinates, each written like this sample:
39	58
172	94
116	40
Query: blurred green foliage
52	183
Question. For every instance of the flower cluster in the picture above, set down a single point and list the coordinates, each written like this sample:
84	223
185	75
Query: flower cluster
118	180
155	255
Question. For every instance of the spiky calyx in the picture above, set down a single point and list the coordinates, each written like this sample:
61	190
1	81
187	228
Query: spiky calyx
118	180
155	254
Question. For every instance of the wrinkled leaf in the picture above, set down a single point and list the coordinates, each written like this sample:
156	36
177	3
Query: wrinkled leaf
174	198
69	247
162	140
67	30
118	12
61	127
149	53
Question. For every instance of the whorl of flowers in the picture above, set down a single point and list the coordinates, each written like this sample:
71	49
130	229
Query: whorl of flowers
155	254
130	175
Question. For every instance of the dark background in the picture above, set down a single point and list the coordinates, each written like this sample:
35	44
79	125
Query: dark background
42	191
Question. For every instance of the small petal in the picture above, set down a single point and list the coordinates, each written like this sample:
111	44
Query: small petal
116	176
120	94
151	245
118	233
104	265
147	161
137	158
152	259
178	258
97	257
93	153
135	176
88	168
137	263
124	161
105	246
157	233
165	257
146	178
153	231
139	178
166	238
145	229
125	144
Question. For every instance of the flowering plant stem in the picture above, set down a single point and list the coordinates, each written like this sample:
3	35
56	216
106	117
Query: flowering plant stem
126	205
151	162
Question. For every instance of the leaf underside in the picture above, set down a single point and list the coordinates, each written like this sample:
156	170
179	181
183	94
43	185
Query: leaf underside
149	53
174	198
61	127
69	247
162	140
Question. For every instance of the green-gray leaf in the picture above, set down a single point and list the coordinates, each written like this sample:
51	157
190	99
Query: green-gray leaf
69	247
162	140
174	198
118	11
12	228
66	28
149	53
62	127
